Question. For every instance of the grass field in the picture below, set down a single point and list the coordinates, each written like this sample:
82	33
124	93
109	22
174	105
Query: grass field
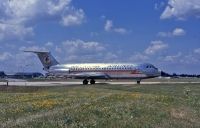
160	106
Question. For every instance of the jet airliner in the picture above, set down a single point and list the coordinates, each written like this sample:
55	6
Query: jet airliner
89	72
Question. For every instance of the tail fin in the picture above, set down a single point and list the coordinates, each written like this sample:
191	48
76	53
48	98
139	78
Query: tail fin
46	58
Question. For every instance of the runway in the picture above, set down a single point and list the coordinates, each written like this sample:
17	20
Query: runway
68	83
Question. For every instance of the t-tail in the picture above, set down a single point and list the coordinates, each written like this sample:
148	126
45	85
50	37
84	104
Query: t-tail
46	58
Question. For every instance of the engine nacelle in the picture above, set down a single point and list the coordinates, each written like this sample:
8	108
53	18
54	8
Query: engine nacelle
59	71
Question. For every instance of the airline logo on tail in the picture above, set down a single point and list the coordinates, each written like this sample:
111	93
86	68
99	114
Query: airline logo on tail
47	59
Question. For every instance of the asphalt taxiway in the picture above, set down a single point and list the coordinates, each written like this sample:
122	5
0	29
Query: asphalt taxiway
68	83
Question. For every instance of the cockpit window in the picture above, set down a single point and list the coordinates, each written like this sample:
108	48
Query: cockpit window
150	66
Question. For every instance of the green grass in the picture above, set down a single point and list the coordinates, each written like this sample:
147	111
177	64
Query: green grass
164	105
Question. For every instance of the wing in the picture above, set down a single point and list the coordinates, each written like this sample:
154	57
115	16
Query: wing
90	75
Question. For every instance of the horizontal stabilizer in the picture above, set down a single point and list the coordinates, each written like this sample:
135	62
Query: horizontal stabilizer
36	51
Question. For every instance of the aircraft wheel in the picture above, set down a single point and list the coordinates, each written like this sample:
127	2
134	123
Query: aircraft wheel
138	82
85	82
92	81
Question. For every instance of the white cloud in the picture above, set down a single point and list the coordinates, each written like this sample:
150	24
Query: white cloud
120	30
55	7
181	9
156	46
15	31
18	11
139	57
183	58
173	58
72	51
178	32
109	27
58	49
79	46
190	59
90	51
20	15
49	44
73	17
32	48
175	32
197	51
5	56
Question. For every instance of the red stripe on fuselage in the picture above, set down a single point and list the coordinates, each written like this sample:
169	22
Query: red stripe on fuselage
110	71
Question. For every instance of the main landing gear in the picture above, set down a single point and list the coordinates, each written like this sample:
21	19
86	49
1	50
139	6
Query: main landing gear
85	81
92	81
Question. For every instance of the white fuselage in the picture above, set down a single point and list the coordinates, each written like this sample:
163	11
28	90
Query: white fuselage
101	71
92	71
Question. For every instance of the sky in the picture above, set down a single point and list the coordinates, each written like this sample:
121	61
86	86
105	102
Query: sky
165	33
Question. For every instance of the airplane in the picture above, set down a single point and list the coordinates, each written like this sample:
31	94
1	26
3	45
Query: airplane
88	72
